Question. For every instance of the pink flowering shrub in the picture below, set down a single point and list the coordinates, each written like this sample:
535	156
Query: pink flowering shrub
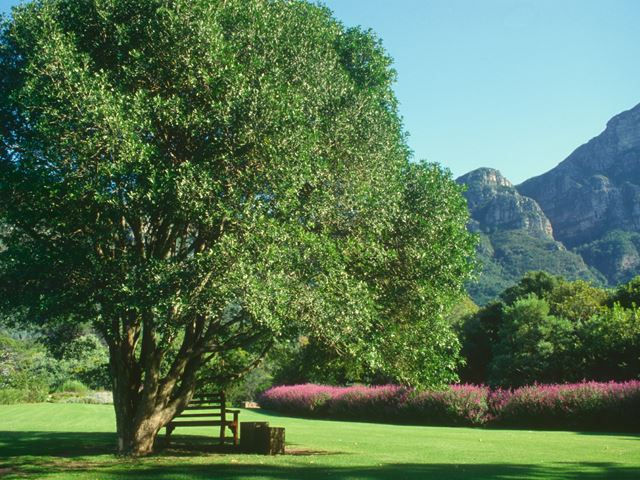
308	399
590	405
458	405
369	403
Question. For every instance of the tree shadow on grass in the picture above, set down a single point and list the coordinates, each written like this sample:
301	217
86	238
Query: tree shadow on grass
566	471
56	444
37	454
177	470
625	435
15	444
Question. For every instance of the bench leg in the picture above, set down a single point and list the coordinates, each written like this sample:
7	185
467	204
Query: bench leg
234	429
169	430
235	435
222	432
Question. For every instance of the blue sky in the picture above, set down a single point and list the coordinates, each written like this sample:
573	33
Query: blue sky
511	84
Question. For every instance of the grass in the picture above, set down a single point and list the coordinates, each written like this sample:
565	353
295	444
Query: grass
75	441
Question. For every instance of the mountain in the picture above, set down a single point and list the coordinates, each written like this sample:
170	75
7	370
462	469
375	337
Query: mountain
616	256
515	236
496	205
596	190
581	219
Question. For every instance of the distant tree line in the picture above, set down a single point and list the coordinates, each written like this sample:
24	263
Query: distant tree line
37	362
546	329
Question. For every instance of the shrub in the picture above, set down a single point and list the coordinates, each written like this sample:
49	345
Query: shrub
368	403
459	405
589	405
307	399
98	398
74	386
16	395
10	395
25	370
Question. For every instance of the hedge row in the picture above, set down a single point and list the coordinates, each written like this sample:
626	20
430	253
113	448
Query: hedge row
581	406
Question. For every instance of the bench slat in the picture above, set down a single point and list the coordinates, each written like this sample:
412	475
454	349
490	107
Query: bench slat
200	423
200	415
199	407
211	409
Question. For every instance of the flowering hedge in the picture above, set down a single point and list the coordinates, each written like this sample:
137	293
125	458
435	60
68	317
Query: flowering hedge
589	405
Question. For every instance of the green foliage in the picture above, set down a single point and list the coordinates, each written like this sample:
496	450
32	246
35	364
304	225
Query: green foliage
32	394
547	329
460	313
29	371
306	360
538	283
479	334
201	180
627	295
577	301
86	359
616	255
73	386
532	344
508	255
250	386
25	367
611	344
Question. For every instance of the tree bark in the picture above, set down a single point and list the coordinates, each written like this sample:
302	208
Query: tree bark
143	404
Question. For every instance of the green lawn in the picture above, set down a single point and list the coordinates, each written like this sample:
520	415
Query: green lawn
55	441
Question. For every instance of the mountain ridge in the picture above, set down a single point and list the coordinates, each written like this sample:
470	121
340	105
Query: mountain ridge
580	219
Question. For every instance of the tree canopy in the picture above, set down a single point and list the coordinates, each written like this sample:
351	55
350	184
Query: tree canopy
196	177
550	330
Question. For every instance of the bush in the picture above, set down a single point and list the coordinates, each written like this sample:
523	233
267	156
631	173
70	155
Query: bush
460	405
97	398
26	372
308	399
368	403
457	405
74	386
589	406
15	395
86	359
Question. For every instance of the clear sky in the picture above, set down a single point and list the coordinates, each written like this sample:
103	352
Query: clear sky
511	84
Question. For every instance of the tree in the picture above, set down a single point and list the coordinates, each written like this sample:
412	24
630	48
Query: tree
627	295
200	177
576	301
479	335
538	283
533	345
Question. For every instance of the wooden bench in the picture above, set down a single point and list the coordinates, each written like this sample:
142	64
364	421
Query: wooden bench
207	410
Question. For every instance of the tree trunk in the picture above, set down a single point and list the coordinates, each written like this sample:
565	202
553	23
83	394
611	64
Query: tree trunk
143	403
137	429
137	423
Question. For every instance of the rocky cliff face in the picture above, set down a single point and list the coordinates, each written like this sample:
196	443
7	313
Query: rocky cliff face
496	205
580	219
515	236
596	190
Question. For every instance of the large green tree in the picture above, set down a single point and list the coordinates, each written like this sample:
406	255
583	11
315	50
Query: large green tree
202	176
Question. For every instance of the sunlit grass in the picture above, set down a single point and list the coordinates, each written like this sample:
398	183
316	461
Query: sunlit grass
60	441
